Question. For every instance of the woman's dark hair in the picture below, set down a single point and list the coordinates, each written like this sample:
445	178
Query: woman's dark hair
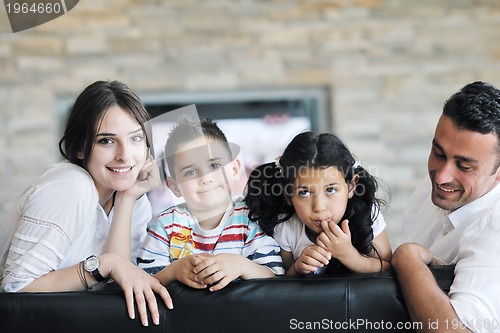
87	113
270	185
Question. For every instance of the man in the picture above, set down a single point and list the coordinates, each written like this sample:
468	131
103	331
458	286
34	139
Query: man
455	219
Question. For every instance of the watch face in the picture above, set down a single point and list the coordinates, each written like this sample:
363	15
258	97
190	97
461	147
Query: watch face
91	264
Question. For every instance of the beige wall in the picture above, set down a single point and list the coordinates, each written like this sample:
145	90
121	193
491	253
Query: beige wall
389	66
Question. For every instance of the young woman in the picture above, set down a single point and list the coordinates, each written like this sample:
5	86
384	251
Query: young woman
320	206
85	218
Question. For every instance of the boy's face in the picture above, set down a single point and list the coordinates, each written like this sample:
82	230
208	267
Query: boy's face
203	171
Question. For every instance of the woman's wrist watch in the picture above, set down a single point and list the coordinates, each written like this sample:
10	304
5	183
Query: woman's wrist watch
92	266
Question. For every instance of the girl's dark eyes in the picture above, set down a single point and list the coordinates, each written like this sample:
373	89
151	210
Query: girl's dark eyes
303	193
331	190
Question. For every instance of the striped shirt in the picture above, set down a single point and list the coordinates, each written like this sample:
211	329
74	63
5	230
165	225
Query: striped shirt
177	234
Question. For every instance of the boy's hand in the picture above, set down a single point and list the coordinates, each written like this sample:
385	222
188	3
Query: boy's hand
311	258
185	270
220	269
336	240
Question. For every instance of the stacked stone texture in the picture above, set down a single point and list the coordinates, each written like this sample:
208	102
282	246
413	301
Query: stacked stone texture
388	66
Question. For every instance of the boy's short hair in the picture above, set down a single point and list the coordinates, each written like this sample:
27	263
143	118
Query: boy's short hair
188	129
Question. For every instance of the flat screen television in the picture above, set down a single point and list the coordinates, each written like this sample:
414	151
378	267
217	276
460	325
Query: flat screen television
261	123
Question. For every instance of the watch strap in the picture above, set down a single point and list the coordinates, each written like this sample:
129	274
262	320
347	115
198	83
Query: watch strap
98	276
96	273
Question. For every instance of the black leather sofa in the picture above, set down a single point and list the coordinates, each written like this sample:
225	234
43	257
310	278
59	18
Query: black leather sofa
337	303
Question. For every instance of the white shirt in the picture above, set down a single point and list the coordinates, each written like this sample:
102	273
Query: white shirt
440	230
475	291
469	237
56	223
291	234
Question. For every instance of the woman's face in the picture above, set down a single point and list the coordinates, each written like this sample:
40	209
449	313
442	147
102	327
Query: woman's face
119	153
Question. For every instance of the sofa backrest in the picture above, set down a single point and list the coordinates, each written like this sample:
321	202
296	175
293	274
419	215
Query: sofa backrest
341	303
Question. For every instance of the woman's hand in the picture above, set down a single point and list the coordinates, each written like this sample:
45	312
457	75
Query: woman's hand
147	179
137	286
124	202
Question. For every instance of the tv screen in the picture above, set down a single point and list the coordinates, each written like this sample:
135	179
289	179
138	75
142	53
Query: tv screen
260	125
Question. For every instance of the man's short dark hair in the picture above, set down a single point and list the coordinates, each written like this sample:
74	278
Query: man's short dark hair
476	107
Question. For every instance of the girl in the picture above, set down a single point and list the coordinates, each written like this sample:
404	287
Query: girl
84	220
320	206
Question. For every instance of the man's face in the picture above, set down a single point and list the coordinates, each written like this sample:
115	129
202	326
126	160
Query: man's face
463	165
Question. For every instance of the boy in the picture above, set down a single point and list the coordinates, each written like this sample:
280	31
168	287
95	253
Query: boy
208	240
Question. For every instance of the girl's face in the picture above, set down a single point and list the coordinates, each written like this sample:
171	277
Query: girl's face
320	195
119	153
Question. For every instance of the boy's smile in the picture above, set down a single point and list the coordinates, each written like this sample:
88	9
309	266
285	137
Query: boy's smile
202	177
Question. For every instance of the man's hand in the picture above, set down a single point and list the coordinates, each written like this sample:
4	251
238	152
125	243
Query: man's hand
425	300
412	252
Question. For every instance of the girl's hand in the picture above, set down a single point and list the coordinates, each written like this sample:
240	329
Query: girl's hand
311	258
337	240
137	286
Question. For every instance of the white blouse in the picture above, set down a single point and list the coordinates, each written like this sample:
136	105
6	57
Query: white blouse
291	234
56	223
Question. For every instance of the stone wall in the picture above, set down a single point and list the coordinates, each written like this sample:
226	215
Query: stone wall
389	66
